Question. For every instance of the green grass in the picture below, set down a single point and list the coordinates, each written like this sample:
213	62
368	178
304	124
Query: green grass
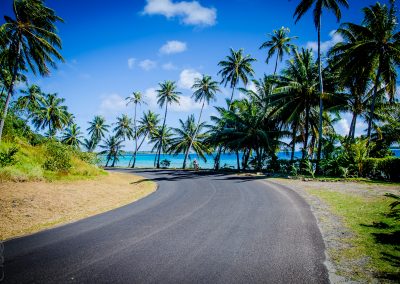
375	235
30	160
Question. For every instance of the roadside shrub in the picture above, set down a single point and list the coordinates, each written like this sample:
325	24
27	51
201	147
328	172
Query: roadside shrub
58	157
382	168
90	158
8	156
165	163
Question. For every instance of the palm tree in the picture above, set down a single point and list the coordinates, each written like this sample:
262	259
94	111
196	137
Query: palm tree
185	139
166	95
112	149
72	136
123	128
319	5
52	114
89	144
297	92
136	98
278	43
236	67
161	139
148	125
97	129
31	99
204	90
374	46
30	40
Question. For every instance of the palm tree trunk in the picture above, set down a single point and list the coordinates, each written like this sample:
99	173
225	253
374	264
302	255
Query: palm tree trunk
372	110
230	102
238	160
136	144
10	91
306	126
321	90
293	142
194	136
353	127
162	134
276	63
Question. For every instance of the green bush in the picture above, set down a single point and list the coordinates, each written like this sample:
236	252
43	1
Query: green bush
7	156
58	157
90	158
382	168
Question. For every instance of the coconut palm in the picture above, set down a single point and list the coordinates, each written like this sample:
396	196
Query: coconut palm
375	46
319	6
161	139
278	43
31	99
123	128
236	67
31	40
136	98
52	114
72	136
166	95
297	92
89	144
205	90
186	138
148	125
112	149
97	130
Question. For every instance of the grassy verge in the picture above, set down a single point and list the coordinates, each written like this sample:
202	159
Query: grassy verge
30	207
376	236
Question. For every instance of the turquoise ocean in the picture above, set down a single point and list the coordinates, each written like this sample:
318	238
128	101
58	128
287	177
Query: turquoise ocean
146	160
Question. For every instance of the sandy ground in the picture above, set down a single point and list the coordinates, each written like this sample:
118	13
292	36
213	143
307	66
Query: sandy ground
334	232
33	206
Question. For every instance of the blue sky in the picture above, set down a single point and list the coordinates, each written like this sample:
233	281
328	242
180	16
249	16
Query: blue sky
113	48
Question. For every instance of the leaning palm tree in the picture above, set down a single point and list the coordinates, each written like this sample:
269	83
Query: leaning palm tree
205	90
136	98
52	114
148	125
97	129
112	149
167	94
236	67
185	139
30	40
89	144
375	46
161	140
123	128
319	5
72	136
278	43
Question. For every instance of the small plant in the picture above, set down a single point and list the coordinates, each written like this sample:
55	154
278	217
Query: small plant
294	170
165	163
58	158
309	168
344	172
7	157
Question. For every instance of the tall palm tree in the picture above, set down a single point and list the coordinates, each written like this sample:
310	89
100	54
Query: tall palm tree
148	125
185	139
52	114
97	130
31	40
296	93
166	95
205	90
161	139
89	144
236	67
123	128
72	136
31	99
375	46
112	149
319	5
278	43
136	98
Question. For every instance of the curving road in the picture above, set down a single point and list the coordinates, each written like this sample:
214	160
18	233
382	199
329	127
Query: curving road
196	228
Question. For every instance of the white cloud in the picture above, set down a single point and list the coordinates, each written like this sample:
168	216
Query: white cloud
342	127
112	104
186	78
173	46
189	12
325	45
169	66
186	104
147	64
131	62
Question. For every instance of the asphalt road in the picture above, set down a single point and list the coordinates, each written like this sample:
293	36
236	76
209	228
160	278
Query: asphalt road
196	228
